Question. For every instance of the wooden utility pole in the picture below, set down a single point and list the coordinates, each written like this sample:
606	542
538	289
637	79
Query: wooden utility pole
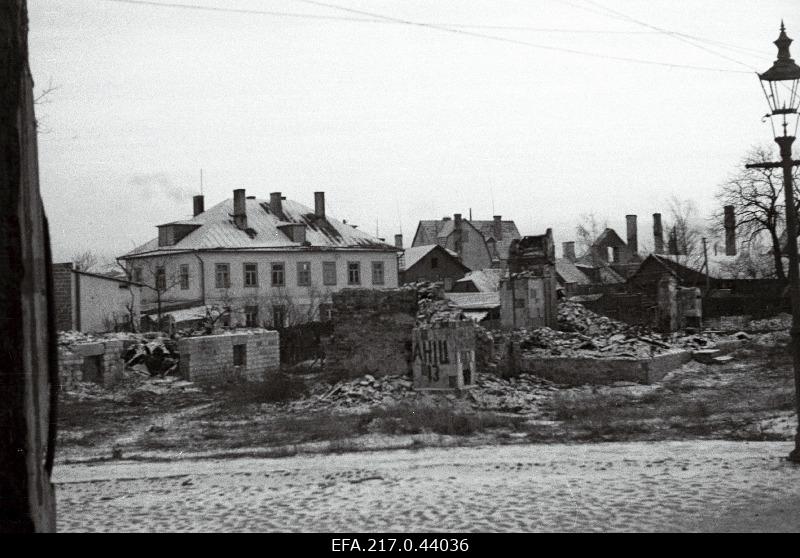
29	373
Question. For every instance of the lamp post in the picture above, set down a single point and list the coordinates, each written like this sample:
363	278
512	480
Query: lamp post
780	85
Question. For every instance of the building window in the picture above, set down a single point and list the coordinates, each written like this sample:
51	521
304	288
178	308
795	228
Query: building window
137	274
353	273
434	263
223	276
377	273
161	279
251	316
278	274
250	275
329	273
240	355
303	274
278	316
184	277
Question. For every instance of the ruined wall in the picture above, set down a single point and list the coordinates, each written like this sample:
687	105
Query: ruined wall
249	355
91	362
371	332
529	302
104	303
443	355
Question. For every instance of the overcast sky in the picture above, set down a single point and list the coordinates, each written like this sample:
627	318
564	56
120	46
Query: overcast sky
484	109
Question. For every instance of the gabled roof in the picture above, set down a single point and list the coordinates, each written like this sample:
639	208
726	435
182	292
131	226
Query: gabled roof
485	280
217	231
436	231
719	267
569	272
414	254
607	275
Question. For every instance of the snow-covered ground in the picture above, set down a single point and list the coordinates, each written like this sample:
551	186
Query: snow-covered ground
647	486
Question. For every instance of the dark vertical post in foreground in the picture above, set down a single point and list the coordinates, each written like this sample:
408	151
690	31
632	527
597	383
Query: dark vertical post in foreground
785	143
28	374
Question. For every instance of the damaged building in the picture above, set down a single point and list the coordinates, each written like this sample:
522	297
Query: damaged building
271	262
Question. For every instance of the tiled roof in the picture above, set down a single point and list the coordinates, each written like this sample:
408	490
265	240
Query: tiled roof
218	231
569	273
474	301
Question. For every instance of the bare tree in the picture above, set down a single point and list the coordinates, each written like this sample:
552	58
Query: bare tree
685	232
153	274
85	261
758	201
589	230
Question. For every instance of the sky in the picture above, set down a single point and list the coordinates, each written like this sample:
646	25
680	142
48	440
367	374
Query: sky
399	110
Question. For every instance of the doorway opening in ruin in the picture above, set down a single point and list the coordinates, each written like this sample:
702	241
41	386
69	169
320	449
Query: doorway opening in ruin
93	369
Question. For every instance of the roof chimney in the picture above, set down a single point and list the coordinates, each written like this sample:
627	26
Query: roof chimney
199	205
658	234
275	205
239	208
730	231
319	204
398	241
457	220
633	240
497	227
569	250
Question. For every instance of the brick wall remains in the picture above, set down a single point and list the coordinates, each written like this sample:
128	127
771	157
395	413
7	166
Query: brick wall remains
62	294
210	358
372	332
77	362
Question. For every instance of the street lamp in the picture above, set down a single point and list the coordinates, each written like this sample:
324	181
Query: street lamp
780	85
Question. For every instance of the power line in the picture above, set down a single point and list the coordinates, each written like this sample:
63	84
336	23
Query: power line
515	41
450	28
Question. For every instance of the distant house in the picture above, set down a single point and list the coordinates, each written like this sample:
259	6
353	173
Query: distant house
271	262
431	263
479	244
92	302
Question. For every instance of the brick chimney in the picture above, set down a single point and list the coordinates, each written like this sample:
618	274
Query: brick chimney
569	250
633	234
198	203
730	231
240	208
398	241
497	227
275	204
319	204
457	236
658	234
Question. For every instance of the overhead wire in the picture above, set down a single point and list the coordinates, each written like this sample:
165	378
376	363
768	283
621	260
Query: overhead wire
450	28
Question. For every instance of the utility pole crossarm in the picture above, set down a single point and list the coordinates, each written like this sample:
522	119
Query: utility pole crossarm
769	165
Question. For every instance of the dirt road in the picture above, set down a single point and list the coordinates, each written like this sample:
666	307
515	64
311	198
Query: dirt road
648	486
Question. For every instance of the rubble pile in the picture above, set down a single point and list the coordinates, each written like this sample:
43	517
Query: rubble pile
432	310
777	323
350	394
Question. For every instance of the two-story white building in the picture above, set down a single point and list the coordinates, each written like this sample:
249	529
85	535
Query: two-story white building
272	262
